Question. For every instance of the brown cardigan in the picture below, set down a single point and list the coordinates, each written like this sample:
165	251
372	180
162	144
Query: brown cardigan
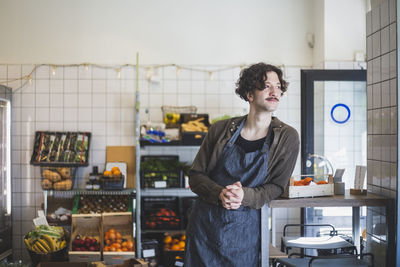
283	152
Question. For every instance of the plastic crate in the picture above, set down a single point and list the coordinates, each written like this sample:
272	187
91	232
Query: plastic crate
172	258
187	206
150	252
112	183
97	206
161	213
171	178
193	138
61	149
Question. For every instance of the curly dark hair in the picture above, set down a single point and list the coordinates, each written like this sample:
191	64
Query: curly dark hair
254	77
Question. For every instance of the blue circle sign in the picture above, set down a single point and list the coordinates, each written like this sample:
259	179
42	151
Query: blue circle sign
347	109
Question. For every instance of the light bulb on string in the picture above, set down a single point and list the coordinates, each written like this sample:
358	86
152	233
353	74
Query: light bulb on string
211	74
86	66
148	74
178	70
118	73
242	67
29	79
53	70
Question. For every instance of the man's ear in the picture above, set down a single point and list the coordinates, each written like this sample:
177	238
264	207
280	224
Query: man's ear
250	96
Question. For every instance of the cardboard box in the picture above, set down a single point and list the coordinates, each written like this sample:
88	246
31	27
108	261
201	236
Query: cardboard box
293	191
124	154
86	225
121	222
53	203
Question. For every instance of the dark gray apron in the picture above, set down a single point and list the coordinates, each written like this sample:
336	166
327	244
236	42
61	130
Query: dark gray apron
220	237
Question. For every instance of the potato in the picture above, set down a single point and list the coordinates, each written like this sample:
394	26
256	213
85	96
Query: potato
65	172
52	176
63	185
47	184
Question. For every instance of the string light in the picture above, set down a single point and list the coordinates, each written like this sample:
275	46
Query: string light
147	68
178	70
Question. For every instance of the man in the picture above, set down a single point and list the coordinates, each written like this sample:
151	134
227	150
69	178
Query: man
242	164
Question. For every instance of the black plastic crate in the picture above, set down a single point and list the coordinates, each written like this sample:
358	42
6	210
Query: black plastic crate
187	207
173	258
161	213
193	138
150	252
61	149
112	183
161	171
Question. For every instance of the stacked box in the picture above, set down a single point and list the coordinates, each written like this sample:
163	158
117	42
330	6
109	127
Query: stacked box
121	223
85	225
161	171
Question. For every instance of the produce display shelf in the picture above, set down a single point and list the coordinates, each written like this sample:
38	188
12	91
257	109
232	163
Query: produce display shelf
144	143
182	192
90	192
171	232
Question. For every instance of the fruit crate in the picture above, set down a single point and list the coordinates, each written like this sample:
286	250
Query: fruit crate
161	171
161	213
88	204
173	258
59	210
61	149
85	226
116	225
297	190
187	206
193	138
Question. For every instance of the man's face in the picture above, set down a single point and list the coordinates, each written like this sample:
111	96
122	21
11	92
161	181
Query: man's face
267	99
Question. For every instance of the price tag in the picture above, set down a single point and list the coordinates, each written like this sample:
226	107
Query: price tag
178	263
160	184
149	253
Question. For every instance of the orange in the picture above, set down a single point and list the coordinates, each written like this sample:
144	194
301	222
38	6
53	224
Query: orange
107	173
111	236
124	249
108	241
116	173
167	239
175	241
106	248
175	247
129	245
116	245
111	230
118	235
181	244
124	244
183	237
111	249
114	169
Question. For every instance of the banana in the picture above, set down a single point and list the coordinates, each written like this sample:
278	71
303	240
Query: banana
37	249
42	248
63	244
44	244
28	245
50	241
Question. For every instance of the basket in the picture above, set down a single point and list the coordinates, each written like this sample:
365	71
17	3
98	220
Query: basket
176	110
60	179
116	183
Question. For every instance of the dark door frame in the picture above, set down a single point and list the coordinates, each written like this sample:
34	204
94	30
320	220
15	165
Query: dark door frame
308	77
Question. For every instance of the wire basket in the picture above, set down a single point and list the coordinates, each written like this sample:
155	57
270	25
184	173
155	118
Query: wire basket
173	118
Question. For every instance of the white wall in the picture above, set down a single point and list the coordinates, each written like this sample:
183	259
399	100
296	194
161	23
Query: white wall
345	26
168	31
319	33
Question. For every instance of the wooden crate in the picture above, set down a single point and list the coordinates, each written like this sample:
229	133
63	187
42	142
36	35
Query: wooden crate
86	225
121	222
293	191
